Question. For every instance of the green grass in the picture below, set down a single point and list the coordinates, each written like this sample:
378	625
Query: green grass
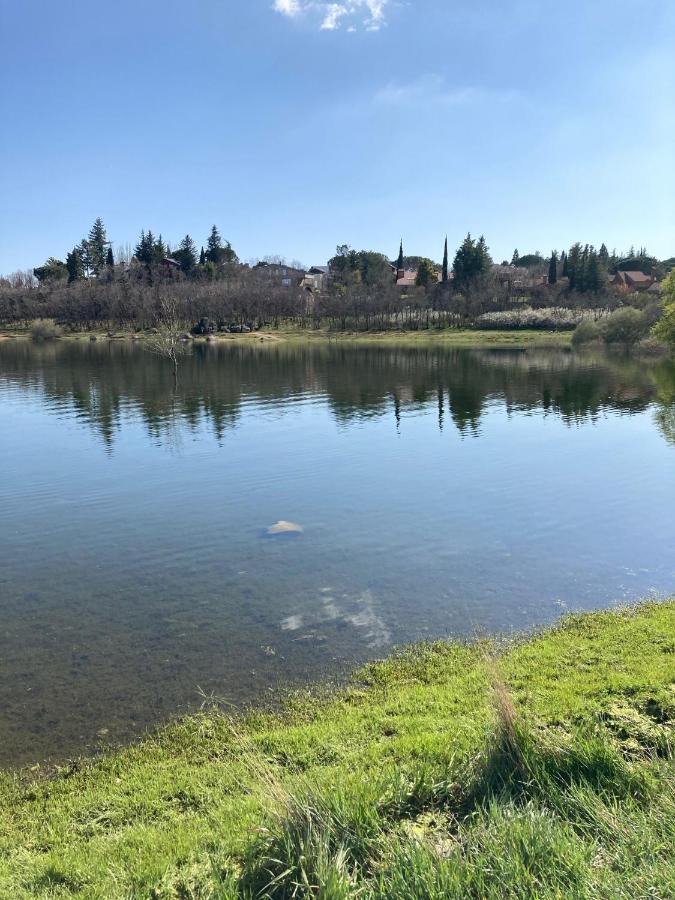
535	768
453	337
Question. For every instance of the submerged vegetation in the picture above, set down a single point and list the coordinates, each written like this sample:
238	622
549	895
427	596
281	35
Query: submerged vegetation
537	768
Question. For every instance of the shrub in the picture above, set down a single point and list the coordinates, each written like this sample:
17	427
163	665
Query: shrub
527	317
45	330
652	346
626	326
586	332
664	330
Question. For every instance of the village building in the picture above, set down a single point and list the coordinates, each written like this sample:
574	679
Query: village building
630	282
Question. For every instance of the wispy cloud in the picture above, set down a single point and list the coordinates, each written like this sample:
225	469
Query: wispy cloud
368	14
433	91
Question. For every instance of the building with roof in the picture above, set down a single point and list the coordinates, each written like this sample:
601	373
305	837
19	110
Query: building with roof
630	282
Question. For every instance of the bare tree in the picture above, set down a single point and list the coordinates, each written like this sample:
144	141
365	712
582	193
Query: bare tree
168	339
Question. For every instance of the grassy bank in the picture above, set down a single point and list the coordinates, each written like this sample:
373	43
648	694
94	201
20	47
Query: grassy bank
454	337
540	768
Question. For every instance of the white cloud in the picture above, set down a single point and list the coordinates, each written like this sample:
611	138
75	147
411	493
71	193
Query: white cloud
369	14
288	7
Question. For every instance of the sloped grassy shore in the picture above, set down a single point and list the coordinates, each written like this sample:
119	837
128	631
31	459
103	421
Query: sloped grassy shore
542	768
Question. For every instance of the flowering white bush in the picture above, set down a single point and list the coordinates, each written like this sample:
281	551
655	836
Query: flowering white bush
559	317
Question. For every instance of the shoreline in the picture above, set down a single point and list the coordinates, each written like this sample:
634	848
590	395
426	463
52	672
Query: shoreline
460	337
202	787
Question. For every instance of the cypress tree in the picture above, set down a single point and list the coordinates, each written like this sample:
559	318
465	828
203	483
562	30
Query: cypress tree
399	261
553	268
110	261
202	258
565	265
445	260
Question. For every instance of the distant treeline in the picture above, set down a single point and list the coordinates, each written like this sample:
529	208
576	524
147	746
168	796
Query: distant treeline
361	290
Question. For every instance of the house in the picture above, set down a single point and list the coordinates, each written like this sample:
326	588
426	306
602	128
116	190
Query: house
514	277
316	278
407	278
286	276
170	265
630	282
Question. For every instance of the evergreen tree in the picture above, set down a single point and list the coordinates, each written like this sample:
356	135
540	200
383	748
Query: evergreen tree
582	273
159	250
445	261
110	259
143	249
75	264
95	247
594	272
471	261
553	268
186	254
53	270
399	261
214	248
202	257
515	259
574	266
565	265
603	256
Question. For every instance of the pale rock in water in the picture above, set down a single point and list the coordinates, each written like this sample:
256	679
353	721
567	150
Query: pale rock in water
283	527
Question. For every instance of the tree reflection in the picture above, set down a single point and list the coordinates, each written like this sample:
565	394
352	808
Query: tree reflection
106	383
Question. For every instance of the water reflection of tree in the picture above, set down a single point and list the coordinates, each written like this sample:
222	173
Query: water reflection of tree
104	382
664	416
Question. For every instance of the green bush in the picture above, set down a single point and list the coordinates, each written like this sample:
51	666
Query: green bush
45	330
664	329
586	332
626	327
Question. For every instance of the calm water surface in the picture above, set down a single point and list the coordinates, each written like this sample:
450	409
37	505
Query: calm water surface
441	492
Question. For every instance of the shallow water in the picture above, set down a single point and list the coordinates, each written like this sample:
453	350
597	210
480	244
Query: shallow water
439	492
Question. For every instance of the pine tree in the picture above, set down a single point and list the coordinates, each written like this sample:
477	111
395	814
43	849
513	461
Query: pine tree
553	268
214	248
445	261
603	256
143	249
110	260
399	261
202	258
186	254
515	259
95	245
159	250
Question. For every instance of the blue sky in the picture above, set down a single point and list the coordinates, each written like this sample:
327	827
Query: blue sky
296	125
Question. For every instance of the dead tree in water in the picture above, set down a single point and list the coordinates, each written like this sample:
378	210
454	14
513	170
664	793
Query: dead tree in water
168	339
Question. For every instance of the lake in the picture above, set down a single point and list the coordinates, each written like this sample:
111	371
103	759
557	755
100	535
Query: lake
440	492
